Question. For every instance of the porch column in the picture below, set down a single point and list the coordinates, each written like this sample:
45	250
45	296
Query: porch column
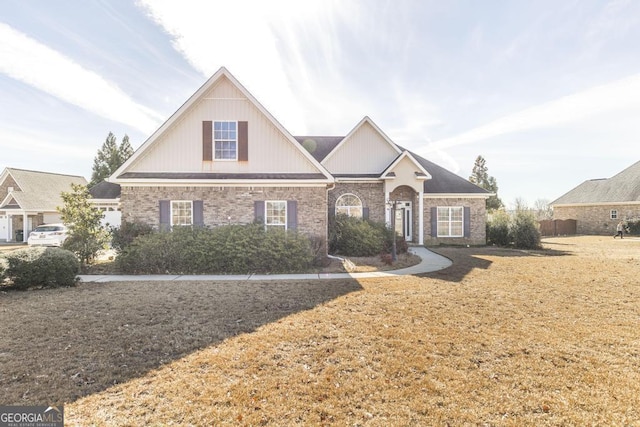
387	211
421	218
25	224
9	227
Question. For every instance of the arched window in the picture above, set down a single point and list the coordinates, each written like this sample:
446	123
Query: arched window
349	204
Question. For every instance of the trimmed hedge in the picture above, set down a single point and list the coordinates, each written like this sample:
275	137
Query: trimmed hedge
3	267
125	234
498	229
352	236
237	249
41	267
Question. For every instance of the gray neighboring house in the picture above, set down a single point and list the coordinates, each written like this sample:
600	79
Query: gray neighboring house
599	204
30	198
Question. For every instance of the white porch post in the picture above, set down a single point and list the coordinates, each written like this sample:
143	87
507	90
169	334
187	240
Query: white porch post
9	227
387	211
25	224
421	218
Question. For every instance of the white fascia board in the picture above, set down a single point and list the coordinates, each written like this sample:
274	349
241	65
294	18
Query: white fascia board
457	195
222	183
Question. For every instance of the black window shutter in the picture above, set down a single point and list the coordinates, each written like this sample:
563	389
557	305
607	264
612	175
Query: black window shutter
198	213
165	214
434	222
467	221
292	214
243	141
258	211
365	213
207	140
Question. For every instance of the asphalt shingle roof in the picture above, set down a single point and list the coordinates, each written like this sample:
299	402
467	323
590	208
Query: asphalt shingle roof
620	188
442	181
41	190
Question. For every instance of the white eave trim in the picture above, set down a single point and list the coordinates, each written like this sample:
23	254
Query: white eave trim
457	195
222	183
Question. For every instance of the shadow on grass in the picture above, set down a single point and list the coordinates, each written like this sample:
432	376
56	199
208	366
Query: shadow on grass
467	259
61	344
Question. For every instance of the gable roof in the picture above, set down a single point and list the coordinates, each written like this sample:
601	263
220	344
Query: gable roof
38	191
121	172
365	120
442	181
421	173
620	188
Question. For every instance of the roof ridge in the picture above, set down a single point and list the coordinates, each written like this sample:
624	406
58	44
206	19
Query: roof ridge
43	172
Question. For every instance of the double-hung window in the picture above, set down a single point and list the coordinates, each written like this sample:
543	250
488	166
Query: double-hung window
181	212
225	140
450	221
614	214
275	214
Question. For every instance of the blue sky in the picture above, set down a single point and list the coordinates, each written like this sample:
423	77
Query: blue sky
547	91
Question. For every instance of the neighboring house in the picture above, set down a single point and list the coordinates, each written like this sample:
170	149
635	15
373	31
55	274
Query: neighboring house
106	197
30	198
599	204
223	158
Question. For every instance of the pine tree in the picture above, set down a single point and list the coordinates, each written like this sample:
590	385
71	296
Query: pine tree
109	158
480	177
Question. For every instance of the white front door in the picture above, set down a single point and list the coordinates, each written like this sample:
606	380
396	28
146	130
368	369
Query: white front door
4	227
404	220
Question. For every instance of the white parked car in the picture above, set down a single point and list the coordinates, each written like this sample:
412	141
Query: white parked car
48	235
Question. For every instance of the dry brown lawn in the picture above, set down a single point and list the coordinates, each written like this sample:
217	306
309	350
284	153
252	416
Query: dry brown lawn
502	337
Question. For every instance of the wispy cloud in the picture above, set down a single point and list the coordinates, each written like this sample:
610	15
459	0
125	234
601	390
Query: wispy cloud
35	64
620	95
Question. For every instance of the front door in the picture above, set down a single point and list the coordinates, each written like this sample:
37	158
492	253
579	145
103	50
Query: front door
404	220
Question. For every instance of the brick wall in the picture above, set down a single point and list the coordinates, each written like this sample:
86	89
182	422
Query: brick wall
233	205
371	195
478	221
4	187
596	219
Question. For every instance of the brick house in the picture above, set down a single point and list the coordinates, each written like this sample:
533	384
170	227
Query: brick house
599	204
30	198
223	158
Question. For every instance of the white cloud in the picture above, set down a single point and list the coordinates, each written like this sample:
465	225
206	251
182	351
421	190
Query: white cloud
33	63
621	95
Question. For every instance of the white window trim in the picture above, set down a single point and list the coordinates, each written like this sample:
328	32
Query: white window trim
286	213
613	214
449	221
335	208
171	213
213	138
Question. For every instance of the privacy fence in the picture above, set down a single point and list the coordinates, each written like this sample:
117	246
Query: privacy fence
558	227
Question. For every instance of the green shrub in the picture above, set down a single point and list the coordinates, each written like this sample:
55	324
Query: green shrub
227	249
3	268
352	236
524	231
498	229
633	226
123	236
42	267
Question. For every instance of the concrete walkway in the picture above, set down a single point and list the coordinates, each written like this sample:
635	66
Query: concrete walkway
430	262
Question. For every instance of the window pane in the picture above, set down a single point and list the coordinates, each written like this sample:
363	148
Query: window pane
349	204
180	213
225	140
276	213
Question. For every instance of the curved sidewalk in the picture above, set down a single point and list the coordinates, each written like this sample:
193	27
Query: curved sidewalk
430	262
